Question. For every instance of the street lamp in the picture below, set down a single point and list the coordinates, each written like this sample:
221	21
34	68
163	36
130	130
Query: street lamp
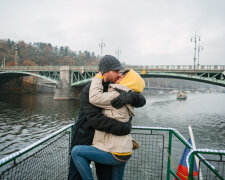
118	52
101	45
196	39
16	54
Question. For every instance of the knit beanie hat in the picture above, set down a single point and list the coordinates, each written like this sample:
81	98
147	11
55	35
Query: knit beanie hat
109	63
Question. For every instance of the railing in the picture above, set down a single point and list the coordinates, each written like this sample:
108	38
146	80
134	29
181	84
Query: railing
180	67
49	157
218	172
29	68
95	68
45	159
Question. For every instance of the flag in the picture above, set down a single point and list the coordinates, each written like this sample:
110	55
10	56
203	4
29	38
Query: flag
182	171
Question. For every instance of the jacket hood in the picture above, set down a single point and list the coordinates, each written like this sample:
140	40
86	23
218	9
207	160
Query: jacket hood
133	81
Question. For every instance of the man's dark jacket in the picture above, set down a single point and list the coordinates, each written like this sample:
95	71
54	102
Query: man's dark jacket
90	118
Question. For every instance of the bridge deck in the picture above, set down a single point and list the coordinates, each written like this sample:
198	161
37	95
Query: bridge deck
81	75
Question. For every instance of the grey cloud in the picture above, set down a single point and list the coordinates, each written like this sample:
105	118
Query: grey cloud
146	31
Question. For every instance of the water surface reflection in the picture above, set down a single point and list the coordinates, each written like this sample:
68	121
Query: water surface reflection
25	119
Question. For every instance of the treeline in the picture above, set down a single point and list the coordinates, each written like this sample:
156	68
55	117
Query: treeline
43	54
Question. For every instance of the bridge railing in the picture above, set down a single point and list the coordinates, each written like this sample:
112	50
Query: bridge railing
85	68
30	68
95	68
184	67
157	67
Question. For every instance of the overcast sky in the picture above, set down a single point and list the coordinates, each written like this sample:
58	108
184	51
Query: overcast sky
147	32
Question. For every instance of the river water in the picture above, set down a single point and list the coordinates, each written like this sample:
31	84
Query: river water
25	119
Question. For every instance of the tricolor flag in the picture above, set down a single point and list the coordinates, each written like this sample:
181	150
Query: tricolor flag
182	172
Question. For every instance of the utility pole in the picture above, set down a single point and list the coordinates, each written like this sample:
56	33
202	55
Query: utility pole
101	45
118	52
16	55
195	39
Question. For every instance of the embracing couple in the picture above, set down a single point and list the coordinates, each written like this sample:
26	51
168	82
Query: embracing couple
101	133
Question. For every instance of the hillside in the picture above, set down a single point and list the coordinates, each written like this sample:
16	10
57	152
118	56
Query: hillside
43	54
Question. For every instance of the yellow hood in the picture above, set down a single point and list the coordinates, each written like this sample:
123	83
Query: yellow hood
133	81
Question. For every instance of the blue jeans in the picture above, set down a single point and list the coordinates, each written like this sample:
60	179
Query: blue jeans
81	154
85	137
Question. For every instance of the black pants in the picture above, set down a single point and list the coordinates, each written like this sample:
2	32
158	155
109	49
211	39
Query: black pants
85	137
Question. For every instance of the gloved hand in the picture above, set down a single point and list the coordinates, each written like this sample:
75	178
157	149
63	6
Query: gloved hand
126	128
122	99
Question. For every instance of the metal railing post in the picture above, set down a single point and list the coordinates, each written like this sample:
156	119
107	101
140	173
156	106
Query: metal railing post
169	151
71	133
191	167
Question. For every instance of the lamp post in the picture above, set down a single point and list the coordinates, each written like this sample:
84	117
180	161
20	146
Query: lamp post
37	53
195	39
101	45
16	55
118	52
199	49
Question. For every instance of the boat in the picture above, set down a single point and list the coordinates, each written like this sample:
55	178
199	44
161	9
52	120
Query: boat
181	95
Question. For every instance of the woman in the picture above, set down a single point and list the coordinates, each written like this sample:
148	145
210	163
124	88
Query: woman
107	148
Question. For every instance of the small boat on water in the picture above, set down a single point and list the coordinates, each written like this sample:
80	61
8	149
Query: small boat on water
181	95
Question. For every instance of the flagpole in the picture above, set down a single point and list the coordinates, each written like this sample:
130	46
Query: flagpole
194	146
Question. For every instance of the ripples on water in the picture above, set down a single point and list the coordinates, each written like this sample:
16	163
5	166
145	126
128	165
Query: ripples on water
204	112
25	119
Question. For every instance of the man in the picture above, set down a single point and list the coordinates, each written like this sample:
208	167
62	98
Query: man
90	117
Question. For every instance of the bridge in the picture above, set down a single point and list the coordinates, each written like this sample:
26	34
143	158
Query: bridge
71	79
